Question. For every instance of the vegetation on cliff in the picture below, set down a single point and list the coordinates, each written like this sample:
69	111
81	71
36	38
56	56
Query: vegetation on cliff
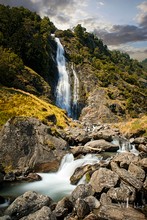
28	51
14	102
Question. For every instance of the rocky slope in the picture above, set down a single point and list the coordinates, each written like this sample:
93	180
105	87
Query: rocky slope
115	188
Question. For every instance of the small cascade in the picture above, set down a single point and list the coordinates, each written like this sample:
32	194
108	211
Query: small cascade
125	145
63	91
75	95
56	185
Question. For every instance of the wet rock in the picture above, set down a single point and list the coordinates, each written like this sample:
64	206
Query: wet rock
103	179
126	176
6	217
80	171
140	140
63	208
26	204
101	145
42	214
81	191
10	177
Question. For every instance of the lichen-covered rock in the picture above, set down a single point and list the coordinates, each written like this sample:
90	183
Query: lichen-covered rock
126	176
125	193
63	208
26	142
137	172
92	202
26	204
81	208
81	191
114	212
103	178
42	214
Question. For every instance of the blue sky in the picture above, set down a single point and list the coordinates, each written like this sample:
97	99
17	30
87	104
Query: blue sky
121	24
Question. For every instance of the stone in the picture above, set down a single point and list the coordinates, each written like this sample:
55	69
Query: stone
105	199
91	216
123	194
125	158
101	145
137	172
26	204
114	212
81	191
103	179
142	147
81	208
126	176
92	202
26	142
63	208
42	214
80	171
143	163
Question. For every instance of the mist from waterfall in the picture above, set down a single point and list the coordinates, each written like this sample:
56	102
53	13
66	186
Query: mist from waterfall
75	95
63	90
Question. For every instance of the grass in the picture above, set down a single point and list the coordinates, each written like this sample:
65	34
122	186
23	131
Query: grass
14	102
133	126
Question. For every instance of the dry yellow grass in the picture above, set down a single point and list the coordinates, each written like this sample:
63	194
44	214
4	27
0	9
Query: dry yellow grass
14	102
133	126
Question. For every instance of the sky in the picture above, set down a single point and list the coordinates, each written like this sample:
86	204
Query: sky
121	24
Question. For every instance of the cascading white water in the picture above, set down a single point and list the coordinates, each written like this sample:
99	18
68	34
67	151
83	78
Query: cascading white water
56	185
63	91
125	145
75	95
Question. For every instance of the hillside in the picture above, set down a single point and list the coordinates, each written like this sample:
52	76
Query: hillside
14	102
112	85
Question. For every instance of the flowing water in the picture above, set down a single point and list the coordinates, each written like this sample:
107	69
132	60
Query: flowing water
75	95
63	90
56	185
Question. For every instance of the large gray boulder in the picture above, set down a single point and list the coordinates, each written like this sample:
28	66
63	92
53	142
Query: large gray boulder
42	214
26	142
26	204
103	178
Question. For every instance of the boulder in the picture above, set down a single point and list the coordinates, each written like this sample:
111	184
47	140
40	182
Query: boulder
126	176
81	208
101	145
81	191
114	212
143	163
123	194
26	142
63	208
103	179
26	204
125	158
81	171
137	172
92	202
42	214
105	199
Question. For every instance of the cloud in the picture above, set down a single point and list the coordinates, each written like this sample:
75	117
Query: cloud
120	34
142	16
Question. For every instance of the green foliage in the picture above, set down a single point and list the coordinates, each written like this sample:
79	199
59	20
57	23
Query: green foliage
10	66
144	63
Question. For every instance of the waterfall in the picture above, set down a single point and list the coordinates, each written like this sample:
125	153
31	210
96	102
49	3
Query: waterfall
63	91
75	95
124	145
